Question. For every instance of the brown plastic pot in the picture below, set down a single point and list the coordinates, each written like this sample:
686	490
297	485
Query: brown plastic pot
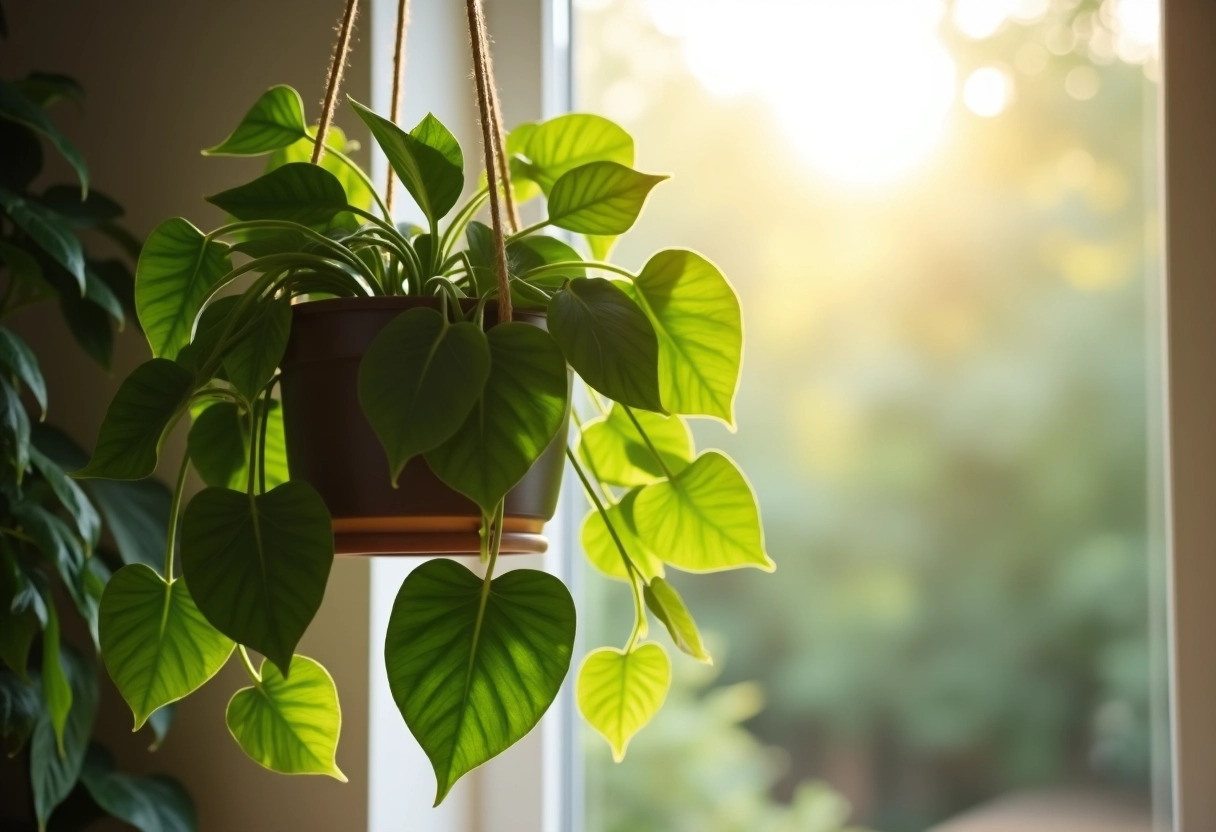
331	446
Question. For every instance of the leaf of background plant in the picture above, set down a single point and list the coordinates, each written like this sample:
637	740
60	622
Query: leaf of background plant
155	643
58	545
251	361
160	722
22	266
618	692
704	520
613	448
89	212
297	192
176	271
599	198
46	88
568	141
520	410
257	565
50	231
17	632
90	326
667	606
19	710
54	768
14	106
608	341
128	444
696	316
20	360
99	293
150	804
136	515
601	549
15	423
289	725
423	160
275	121
418	380
468	693
357	192
71	497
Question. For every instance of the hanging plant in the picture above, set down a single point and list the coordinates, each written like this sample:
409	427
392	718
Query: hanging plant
448	350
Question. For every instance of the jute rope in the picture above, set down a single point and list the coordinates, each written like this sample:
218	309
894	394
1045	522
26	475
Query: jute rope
336	68
403	20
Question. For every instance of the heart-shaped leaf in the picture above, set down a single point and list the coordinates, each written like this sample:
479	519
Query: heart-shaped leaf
667	606
156	645
297	192
619	692
608	341
696	316
50	231
472	672
601	549
251	361
612	446
132	432
257	565
418	381
275	120
218	445
17	357
289	725
17	107
150	804
357	191
568	141
427	159
703	520
177	270
599	198
520	410
54	766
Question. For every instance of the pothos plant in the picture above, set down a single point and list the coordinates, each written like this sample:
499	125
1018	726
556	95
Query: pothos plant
58	543
473	660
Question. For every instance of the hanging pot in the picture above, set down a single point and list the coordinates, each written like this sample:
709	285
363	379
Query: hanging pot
331	445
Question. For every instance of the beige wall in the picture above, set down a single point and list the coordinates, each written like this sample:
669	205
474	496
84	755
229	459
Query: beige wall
164	79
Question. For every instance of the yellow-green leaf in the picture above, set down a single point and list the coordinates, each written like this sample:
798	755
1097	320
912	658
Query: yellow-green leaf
275	120
619	692
614	449
599	198
601	549
667	606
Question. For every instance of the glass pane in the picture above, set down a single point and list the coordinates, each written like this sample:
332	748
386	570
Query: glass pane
941	220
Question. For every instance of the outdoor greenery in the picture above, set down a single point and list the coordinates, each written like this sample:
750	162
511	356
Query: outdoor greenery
59	542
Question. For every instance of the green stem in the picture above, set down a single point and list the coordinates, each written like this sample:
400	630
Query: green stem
174	510
531	229
344	254
653	450
462	219
567	265
363	177
253	674
630	567
639	610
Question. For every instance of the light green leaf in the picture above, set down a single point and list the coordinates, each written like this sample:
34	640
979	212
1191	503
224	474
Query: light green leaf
54	768
618	692
297	192
418	380
150	804
471	682
57	688
177	270
15	106
156	645
667	606
568	141
704	520
289	725
424	160
17	357
608	341
357	192
50	231
257	565
133	430
612	447
599	198
696	316
601	549
520	410
275	120
71	497
251	361
600	245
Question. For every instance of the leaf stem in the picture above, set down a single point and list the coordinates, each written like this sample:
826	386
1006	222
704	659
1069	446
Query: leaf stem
462	219
245	660
174	511
653	450
528	229
364	178
566	265
630	568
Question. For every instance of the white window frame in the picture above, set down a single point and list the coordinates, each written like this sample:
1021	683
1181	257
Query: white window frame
536	787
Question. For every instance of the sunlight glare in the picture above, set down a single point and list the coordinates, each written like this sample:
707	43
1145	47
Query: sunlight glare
986	91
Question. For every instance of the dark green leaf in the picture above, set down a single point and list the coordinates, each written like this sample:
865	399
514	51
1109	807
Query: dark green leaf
22	266
297	192
527	253
90	326
57	688
177	270
150	804
424	160
20	708
251	361
257	565
133	430
418	381
17	627
212	326
160	722
14	428
45	88
608	340
357	191
14	106
275	121
667	606
517	415
71	497
218	445
17	357
59	545
137	516
49	230
22	155
54	774
98	293
599	198
89	212
472	673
